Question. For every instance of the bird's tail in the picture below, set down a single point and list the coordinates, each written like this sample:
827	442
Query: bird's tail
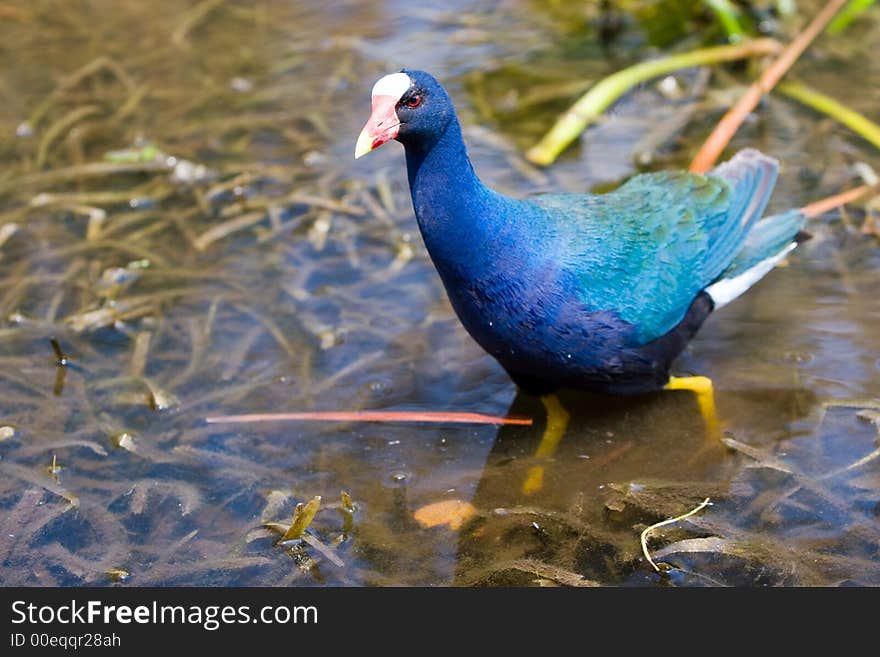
768	242
770	239
752	176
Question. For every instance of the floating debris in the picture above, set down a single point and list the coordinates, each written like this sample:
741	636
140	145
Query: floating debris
125	440
118	575
189	173
451	513
7	231
295	534
347	504
147	152
302	518
648	530
115	280
54	468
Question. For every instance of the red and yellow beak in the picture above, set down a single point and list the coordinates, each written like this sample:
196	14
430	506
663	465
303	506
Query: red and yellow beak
382	126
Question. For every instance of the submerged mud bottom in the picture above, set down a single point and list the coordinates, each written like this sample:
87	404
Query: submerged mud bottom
183	234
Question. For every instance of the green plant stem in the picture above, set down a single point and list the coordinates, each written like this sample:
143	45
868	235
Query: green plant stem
848	14
862	126
728	16
591	105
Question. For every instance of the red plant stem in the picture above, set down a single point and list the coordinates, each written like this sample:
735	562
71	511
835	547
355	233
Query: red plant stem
824	205
375	416
711	149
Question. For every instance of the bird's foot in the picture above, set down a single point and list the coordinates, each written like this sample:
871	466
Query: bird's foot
557	423
702	387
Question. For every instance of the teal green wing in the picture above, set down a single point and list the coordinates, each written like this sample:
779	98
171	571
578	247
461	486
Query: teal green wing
645	250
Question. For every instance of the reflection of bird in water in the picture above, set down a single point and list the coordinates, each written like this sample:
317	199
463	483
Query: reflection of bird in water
593	292
625	463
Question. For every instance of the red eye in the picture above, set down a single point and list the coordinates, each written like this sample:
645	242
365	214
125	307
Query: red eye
413	101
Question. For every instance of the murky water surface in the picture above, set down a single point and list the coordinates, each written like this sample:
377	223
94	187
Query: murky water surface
181	213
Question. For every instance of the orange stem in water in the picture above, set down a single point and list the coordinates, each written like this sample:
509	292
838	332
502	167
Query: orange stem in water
727	127
374	416
822	206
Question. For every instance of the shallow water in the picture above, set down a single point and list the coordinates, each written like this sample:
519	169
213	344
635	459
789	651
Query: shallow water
324	299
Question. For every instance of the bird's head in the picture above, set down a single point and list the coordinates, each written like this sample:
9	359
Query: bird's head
409	106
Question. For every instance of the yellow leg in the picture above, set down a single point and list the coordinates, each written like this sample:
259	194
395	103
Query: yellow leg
557	423
701	386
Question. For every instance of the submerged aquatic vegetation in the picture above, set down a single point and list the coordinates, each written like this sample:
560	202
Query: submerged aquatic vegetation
183	235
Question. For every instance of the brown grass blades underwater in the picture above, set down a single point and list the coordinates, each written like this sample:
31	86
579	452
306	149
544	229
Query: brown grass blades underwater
134	272
182	236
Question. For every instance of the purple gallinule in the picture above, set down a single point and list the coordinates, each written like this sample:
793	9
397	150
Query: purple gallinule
599	292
